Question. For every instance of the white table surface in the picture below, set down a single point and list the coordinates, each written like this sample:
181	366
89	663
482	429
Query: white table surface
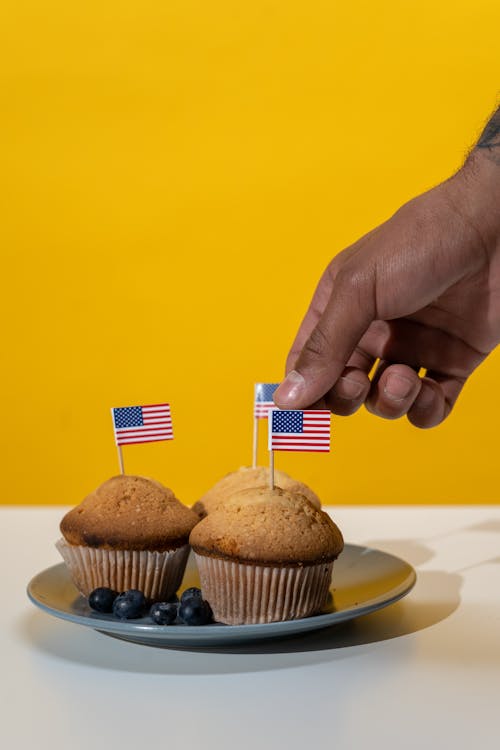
422	673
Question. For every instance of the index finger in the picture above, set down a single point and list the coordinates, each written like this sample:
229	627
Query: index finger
345	318
311	318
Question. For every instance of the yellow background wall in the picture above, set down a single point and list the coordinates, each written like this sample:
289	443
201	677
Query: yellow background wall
175	177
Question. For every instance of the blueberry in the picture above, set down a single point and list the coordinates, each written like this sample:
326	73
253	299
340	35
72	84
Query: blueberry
163	613
102	599
129	605
192	593
136	597
195	611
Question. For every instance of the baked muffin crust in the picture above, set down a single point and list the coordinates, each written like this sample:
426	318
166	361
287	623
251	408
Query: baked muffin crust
248	478
263	526
130	513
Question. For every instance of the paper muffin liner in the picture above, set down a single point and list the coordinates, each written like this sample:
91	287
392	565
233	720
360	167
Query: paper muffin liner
157	574
242	594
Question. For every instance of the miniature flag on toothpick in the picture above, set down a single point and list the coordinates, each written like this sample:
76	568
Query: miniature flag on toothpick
262	404
141	424
294	430
263	401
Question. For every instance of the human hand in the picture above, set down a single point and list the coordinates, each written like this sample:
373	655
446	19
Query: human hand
420	291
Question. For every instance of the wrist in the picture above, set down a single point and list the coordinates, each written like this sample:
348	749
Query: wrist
475	190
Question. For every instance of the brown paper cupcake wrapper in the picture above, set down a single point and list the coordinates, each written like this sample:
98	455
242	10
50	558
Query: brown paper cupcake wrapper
157	574
241	594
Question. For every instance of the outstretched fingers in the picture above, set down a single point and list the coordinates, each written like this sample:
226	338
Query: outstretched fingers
398	391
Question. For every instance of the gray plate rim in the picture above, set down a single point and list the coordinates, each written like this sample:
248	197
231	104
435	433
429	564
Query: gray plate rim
140	632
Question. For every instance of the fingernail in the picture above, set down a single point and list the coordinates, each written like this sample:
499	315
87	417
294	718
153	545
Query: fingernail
397	387
348	388
290	389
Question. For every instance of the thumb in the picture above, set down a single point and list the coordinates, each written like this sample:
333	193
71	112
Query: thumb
324	355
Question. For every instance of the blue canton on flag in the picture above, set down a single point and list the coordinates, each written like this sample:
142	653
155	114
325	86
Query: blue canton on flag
287	421
263	401
128	416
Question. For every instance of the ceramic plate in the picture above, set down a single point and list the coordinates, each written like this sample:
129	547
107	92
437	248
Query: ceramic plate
364	580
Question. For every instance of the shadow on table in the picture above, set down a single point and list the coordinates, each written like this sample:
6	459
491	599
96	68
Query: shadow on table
491	526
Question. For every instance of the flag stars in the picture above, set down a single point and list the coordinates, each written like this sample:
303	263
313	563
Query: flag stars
128	416
288	421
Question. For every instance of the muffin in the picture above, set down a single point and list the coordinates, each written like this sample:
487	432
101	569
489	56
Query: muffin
130	533
265	556
248	478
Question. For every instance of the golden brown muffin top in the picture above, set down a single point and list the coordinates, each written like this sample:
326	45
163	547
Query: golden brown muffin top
132	513
248	477
264	526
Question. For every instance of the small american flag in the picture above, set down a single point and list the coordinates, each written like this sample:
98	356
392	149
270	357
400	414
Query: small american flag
142	424
293	430
263	401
